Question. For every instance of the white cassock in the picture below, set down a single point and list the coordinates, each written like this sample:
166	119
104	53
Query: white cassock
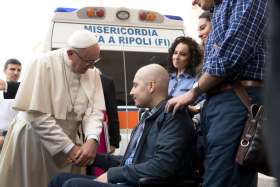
33	148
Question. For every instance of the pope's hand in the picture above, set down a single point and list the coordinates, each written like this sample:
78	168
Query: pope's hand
74	154
88	154
2	84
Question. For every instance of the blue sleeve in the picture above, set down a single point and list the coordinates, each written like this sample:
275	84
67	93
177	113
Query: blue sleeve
244	26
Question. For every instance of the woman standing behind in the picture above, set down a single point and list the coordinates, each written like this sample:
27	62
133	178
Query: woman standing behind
183	58
204	26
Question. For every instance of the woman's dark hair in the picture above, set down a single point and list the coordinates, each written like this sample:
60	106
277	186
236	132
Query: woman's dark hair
195	55
206	15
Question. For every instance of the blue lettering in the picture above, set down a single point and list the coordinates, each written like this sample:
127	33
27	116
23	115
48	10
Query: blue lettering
101	39
106	30
158	41
99	29
113	30
144	32
130	31
121	40
89	28
167	42
123	30
154	33
138	41
147	41
111	39
131	40
137	32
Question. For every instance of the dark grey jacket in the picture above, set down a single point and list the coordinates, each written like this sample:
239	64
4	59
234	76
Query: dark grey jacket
111	108
164	150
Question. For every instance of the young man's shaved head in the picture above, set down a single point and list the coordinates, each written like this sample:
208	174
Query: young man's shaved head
154	72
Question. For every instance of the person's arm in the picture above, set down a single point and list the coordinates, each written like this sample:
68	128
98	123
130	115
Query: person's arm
228	57
50	133
176	134
205	82
106	161
92	126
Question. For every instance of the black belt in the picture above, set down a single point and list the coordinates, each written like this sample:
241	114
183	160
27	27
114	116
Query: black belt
227	86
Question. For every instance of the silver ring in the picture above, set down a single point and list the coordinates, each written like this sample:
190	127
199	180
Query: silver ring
90	162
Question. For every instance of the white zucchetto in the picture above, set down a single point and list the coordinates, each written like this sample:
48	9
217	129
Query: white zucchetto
82	39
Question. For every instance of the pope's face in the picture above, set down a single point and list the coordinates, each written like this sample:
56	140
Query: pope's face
204	4
83	59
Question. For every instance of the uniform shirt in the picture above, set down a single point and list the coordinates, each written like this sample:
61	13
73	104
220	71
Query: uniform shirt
179	86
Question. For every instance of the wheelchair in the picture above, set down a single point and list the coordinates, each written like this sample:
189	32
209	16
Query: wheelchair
157	182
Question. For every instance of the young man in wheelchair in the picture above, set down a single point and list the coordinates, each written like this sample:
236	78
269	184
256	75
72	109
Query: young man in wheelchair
161	145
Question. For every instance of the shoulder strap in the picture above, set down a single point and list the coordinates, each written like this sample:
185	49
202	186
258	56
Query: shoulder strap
241	92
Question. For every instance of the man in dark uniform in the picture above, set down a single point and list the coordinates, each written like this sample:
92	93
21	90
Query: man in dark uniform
12	70
272	101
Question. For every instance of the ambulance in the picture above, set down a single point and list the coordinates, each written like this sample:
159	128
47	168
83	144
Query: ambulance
128	38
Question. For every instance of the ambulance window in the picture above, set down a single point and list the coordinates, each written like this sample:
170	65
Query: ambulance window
135	60
111	64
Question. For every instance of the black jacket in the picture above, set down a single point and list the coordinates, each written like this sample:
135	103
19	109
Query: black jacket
12	90
165	150
111	108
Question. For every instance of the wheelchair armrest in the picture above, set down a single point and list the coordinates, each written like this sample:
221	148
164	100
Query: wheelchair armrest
169	181
153	180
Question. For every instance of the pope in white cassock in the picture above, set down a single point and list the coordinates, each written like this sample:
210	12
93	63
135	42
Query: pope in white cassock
60	92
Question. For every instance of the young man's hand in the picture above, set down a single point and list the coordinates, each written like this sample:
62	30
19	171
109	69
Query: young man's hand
102	178
88	153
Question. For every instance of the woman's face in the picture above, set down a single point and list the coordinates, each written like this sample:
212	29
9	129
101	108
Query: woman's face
204	28
180	58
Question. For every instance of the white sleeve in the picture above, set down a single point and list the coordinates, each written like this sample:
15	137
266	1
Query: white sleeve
93	119
51	134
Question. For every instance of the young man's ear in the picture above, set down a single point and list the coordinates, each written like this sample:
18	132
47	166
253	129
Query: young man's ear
152	85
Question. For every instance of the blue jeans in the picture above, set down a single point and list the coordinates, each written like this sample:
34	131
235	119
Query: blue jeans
72	180
223	119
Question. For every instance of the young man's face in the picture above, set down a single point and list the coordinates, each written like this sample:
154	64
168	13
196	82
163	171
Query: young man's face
204	4
140	92
12	72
